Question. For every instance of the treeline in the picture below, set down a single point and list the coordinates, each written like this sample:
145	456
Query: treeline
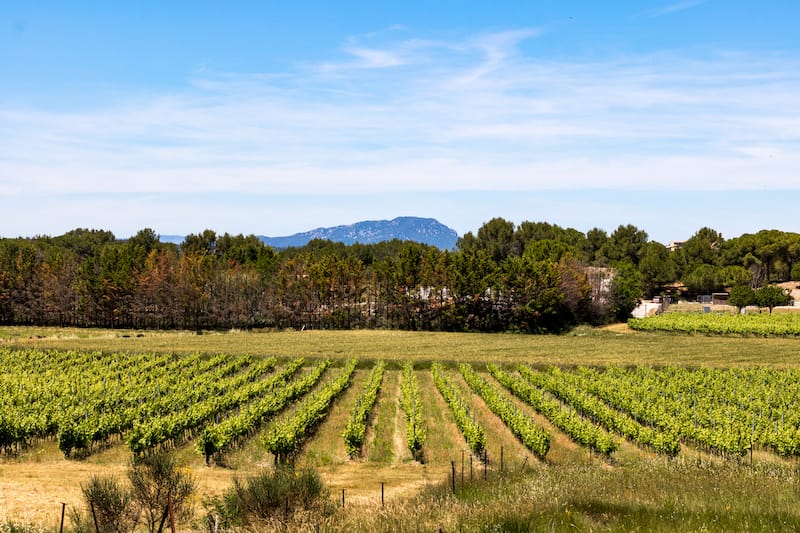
532	277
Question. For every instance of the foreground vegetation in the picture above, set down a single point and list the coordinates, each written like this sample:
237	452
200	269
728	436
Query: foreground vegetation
662	495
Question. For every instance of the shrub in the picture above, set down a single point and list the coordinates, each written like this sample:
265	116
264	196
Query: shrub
109	505
155	480
269	495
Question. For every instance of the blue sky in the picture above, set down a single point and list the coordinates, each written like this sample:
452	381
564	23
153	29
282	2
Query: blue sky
278	117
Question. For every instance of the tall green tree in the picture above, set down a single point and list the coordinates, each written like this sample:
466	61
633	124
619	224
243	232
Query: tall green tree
703	248
535	293
474	280
627	288
703	279
529	232
626	243
495	237
205	242
657	267
595	240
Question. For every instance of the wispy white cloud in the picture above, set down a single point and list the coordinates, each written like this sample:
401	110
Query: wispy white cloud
372	58
671	8
425	115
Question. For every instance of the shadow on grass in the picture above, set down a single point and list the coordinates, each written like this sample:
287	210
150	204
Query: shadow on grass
607	516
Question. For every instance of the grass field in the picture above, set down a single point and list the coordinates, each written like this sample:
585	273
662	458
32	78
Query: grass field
615	345
572	491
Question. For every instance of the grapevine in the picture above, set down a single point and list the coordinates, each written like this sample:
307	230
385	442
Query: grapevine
356	428
412	405
577	428
473	432
286	436
787	324
533	436
555	382
273	395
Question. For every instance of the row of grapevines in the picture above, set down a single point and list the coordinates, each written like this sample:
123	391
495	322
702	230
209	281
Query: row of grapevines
533	436
151	432
667	405
286	436
785	324
576	427
412	405
589	405
104	403
220	436
116	413
54	390
473	432
356	428
726	410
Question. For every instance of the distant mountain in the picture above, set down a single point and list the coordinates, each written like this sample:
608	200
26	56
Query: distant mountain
423	230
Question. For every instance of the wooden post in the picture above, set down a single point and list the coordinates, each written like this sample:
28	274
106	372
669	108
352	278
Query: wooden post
94	516
382	501
342	498
453	465
171	514
63	508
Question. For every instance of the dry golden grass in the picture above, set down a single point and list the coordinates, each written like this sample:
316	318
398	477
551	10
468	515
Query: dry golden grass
444	441
34	485
327	445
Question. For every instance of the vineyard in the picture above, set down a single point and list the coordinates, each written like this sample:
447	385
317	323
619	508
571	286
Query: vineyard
87	401
211	407
779	324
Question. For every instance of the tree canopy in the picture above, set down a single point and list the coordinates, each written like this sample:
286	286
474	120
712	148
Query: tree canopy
535	276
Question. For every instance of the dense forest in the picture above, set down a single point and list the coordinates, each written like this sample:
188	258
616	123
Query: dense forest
533	277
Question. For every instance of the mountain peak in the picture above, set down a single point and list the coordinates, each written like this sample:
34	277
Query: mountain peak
423	230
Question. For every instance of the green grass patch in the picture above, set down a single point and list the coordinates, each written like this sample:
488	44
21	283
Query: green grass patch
381	447
657	495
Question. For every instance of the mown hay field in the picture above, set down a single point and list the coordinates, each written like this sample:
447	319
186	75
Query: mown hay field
614	345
